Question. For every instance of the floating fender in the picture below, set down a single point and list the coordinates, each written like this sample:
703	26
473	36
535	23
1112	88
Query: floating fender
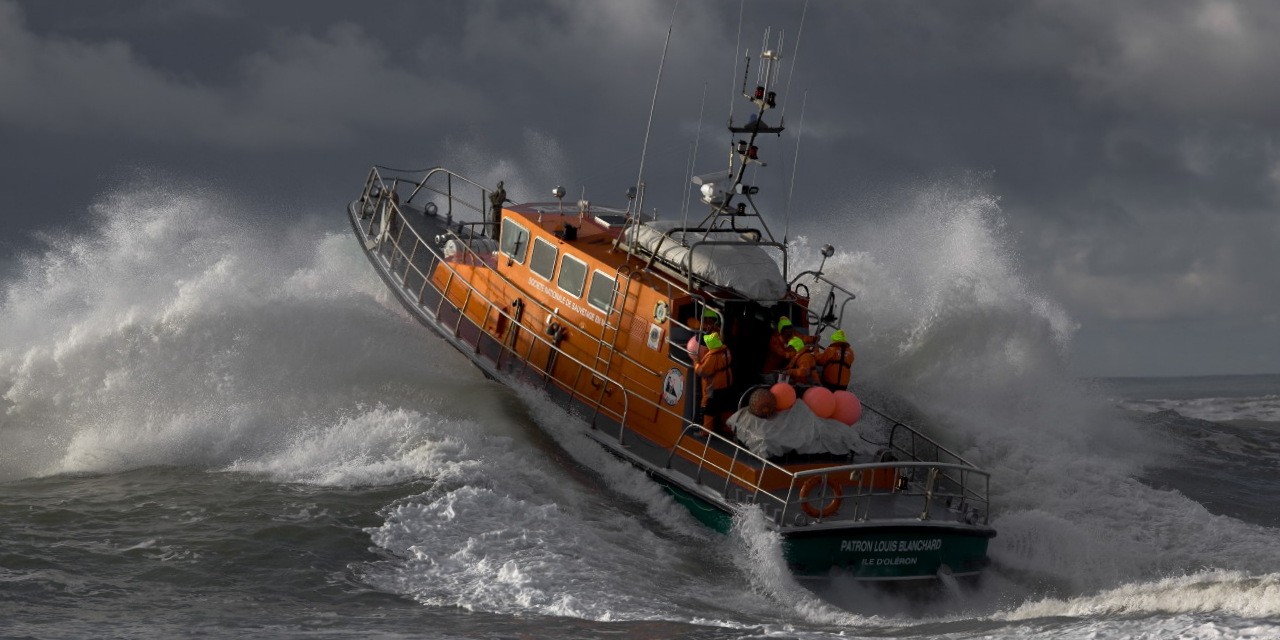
785	394
848	407
762	404
820	401
695	348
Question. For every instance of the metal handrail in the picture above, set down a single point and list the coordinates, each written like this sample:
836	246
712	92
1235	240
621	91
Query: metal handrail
791	497
930	492
467	247
536	335
740	456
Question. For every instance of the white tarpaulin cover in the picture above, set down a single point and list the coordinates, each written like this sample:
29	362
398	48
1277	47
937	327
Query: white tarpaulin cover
796	429
746	268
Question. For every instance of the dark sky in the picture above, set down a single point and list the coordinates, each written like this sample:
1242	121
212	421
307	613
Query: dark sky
1133	146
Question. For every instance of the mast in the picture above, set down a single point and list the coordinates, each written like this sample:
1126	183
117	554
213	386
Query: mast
725	192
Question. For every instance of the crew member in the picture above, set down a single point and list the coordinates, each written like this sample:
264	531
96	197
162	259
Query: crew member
836	362
496	199
709	323
779	353
713	368
803	367
710	320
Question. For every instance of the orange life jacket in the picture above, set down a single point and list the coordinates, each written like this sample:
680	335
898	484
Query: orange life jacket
803	367
714	371
836	362
779	353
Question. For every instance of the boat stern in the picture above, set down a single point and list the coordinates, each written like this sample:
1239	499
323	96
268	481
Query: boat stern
889	552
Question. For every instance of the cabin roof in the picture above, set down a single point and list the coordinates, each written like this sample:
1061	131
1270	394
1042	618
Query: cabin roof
597	231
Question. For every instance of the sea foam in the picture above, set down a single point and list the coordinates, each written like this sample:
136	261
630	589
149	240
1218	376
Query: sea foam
173	332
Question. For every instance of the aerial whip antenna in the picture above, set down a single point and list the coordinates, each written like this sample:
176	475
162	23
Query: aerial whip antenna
795	53
639	188
693	159
786	225
736	47
652	105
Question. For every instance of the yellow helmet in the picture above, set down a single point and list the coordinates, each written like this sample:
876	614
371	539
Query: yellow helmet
797	344
783	323
712	340
838	336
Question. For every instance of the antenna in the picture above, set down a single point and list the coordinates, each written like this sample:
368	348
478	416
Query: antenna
693	159
786	224
782	117
737	45
652	105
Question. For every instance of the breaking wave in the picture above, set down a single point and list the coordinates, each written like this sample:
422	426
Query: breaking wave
951	331
1257	408
180	329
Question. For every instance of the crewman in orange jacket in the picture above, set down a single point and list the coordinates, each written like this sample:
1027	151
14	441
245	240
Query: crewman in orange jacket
713	368
835	363
803	367
779	353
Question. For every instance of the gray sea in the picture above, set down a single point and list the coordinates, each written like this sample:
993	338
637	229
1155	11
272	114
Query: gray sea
222	427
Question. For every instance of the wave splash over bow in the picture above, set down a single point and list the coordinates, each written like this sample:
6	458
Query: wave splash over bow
950	331
173	332
178	329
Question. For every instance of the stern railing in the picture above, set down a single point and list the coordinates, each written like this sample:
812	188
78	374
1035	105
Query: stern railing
953	485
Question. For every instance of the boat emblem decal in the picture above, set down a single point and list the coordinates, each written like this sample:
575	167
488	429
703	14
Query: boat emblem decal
655	336
673	386
660	311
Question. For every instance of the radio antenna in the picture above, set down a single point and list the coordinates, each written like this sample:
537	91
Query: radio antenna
786	225
737	44
652	105
693	158
795	53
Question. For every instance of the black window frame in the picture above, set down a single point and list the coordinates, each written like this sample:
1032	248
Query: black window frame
533	257
582	283
502	244
613	283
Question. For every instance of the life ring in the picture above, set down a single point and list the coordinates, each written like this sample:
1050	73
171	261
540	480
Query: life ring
832	505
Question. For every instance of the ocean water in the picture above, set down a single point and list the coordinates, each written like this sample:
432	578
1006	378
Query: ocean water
216	422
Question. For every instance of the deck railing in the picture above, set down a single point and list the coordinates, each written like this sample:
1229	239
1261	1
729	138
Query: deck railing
952	484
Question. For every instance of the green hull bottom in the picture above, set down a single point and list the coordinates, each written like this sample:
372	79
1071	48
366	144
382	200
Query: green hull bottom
890	552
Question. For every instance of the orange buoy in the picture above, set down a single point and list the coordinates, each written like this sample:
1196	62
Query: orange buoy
820	401
848	407
695	348
785	394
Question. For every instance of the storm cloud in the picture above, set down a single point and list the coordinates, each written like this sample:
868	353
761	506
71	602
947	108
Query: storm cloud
1134	147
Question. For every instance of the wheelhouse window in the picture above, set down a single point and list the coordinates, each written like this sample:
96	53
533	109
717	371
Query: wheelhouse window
515	240
543	262
600	295
573	275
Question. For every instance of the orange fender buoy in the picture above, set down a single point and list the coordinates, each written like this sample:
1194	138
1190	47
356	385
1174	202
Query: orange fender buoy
820	401
785	394
848	407
833	493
